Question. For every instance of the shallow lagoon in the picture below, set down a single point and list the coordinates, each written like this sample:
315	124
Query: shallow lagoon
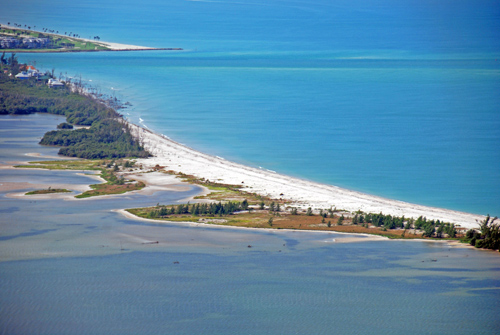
76	266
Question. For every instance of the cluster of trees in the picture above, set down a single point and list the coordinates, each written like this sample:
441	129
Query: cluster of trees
274	207
431	228
107	136
488	236
31	96
10	62
64	125
19	25
212	209
47	30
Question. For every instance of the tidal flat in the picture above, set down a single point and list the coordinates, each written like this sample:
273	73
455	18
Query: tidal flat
78	266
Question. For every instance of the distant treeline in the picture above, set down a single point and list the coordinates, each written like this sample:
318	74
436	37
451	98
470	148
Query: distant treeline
431	228
28	97
107	136
212	209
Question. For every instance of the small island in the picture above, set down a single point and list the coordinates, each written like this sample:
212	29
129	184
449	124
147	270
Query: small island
50	190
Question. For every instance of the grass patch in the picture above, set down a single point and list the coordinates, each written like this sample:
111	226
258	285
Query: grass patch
264	218
107	169
223	192
107	189
91	165
49	191
59	42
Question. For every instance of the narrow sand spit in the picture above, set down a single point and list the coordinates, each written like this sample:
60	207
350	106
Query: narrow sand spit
352	237
301	193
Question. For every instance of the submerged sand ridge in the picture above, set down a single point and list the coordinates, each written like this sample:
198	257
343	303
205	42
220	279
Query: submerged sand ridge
301	193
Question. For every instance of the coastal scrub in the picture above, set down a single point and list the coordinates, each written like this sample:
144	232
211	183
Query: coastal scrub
105	135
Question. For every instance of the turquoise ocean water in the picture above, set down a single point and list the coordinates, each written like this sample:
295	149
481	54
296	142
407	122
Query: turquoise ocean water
397	98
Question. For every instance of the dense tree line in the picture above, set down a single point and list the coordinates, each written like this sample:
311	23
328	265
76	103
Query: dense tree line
32	96
105	139
107	136
430	228
211	209
488	236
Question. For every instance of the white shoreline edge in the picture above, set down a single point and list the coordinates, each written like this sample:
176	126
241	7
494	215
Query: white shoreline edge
301	193
110	45
366	237
352	237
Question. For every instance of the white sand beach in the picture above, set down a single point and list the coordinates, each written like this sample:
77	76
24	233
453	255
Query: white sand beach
300	193
110	45
118	46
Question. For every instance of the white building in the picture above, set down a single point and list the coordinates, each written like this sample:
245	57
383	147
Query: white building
54	83
22	75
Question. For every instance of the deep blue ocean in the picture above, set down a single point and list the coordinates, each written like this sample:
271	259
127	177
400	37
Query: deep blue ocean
394	98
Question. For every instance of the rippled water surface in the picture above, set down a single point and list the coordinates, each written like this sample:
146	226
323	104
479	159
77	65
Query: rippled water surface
78	267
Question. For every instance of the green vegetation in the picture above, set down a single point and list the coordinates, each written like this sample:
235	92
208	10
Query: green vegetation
199	210
33	96
254	211
116	187
56	42
223	192
87	165
262	215
428	228
49	191
113	185
64	125
106	137
64	43
488	236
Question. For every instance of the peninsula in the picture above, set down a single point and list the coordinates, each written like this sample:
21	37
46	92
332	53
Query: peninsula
26	40
267	199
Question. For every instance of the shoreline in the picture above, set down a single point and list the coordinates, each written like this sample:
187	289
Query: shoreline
110	45
169	155
356	237
34	51
367	237
300	193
